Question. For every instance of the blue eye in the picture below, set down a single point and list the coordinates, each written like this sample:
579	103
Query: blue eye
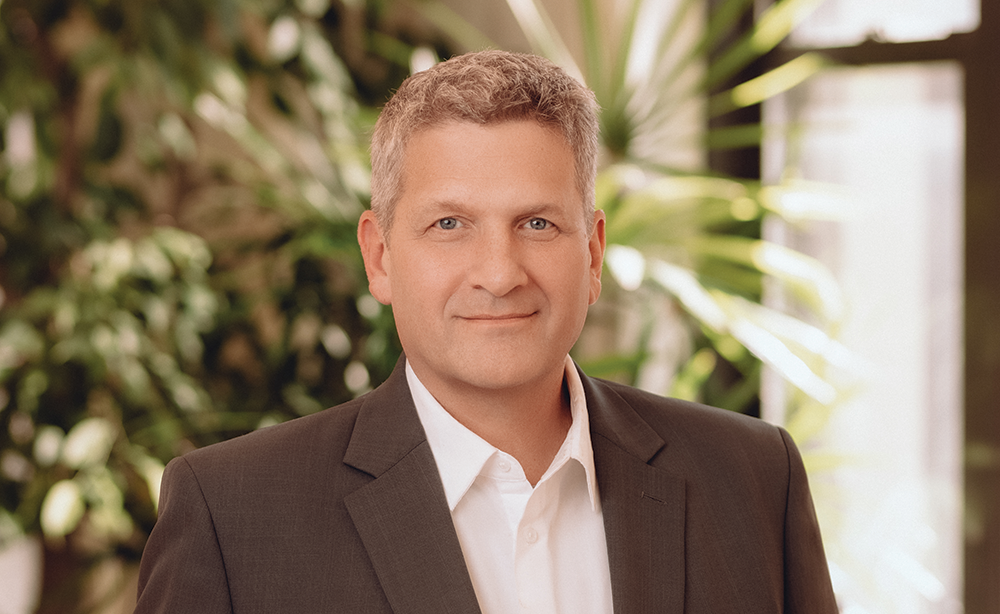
538	223
448	223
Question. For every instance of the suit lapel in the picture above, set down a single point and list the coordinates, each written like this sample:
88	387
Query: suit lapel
403	519
402	515
643	507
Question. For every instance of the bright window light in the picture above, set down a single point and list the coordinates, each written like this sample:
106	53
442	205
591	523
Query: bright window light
848	22
890	507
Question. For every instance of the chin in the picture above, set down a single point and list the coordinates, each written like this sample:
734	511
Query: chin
496	372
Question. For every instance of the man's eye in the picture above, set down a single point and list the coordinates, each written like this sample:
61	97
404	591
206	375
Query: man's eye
448	223
538	223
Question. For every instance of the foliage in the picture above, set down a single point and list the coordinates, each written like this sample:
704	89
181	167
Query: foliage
179	189
179	185
685	242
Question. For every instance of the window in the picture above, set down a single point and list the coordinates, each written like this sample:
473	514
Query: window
892	136
906	123
849	22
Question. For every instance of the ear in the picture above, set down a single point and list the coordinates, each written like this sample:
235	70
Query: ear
596	245
376	256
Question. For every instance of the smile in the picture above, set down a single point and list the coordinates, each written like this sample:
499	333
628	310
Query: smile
498	317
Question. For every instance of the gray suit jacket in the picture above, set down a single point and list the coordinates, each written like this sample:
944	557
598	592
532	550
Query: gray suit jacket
705	511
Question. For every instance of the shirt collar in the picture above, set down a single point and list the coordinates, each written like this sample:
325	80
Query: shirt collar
460	454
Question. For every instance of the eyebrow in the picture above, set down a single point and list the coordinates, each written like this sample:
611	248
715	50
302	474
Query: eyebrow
443	206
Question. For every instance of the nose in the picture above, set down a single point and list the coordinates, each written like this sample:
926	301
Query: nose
499	264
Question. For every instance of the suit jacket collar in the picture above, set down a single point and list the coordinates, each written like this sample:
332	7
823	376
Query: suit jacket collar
643	506
388	428
403	519
402	515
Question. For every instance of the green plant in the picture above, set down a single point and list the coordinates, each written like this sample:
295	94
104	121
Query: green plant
179	188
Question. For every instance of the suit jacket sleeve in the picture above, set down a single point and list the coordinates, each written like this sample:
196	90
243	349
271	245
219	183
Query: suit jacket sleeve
182	568
807	580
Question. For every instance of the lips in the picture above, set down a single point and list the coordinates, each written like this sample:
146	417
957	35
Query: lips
490	317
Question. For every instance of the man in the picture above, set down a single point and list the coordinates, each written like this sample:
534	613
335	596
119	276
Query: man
488	473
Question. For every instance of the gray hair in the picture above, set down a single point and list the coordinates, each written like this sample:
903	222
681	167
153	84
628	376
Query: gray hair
486	87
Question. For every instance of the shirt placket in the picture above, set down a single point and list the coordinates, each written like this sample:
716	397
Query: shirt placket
532	553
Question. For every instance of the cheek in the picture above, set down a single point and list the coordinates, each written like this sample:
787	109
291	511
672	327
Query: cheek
569	280
423	282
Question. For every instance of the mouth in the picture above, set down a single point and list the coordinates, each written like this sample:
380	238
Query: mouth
501	317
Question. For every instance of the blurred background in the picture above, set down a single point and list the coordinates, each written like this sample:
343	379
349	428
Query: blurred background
802	222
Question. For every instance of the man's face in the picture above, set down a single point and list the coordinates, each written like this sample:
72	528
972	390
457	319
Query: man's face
490	264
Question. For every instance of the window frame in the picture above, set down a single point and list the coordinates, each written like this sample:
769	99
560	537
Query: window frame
978	53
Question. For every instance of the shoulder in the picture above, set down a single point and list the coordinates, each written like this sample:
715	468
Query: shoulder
708	446
329	429
693	424
319	438
296	452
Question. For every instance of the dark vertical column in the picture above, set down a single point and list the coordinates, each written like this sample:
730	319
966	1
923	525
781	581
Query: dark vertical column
982	318
745	161
742	162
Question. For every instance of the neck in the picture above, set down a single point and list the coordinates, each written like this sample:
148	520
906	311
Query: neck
529	423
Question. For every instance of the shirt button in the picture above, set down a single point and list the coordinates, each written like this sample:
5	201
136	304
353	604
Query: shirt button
504	465
531	536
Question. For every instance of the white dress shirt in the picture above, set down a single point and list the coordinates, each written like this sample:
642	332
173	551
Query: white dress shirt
527	549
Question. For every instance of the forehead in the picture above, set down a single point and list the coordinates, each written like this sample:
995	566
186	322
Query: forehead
487	150
494	159
458	130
